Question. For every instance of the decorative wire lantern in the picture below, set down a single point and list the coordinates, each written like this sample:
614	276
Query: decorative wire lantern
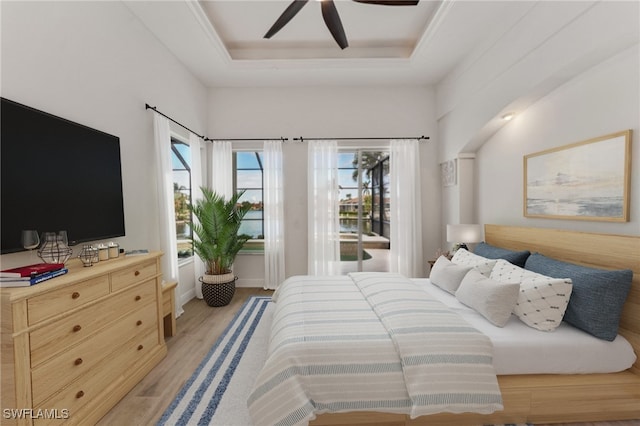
89	255
54	249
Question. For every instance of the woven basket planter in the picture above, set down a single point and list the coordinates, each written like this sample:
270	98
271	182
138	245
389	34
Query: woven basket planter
218	290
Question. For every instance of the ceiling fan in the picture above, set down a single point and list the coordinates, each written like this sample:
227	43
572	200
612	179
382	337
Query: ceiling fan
330	15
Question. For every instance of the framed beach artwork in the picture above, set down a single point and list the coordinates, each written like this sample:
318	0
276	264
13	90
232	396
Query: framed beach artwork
587	180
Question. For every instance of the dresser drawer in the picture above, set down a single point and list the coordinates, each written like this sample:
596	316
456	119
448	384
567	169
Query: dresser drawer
67	298
55	337
90	387
54	374
132	275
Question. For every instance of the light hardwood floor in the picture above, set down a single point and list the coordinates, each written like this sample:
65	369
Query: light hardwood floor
197	329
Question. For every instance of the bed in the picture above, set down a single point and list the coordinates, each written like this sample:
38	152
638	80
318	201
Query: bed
542	398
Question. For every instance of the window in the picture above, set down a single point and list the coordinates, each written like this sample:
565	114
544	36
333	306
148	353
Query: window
349	192
375	181
248	176
363	203
181	160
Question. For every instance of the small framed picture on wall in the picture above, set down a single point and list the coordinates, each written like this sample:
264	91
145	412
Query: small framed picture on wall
449	172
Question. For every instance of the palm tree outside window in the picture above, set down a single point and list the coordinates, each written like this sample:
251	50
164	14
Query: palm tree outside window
375	191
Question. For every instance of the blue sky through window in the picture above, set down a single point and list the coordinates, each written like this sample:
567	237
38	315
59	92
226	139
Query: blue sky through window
185	151
181	178
249	172
248	160
348	186
345	160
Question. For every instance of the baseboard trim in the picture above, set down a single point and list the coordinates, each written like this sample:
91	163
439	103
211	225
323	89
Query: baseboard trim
250	282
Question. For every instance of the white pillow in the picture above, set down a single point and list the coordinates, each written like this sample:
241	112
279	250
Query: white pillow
447	275
542	301
482	264
493	300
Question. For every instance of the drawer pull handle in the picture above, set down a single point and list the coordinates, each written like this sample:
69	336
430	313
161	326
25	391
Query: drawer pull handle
78	361
138	298
136	273
139	322
75	295
80	394
76	328
140	347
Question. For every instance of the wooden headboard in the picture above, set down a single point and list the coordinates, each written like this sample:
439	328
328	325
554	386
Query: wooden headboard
605	251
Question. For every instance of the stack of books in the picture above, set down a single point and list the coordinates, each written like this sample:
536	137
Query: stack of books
25	276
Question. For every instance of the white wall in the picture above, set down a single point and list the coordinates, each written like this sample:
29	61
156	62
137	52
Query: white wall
553	42
94	63
553	46
324	112
603	100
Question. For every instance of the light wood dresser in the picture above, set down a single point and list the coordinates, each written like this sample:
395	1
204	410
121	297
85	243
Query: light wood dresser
73	346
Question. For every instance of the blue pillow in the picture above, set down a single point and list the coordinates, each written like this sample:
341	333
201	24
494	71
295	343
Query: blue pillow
597	297
517	258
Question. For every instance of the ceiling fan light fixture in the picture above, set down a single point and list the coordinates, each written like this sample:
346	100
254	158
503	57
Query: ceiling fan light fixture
330	16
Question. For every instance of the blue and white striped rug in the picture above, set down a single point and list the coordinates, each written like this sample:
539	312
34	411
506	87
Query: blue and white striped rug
210	396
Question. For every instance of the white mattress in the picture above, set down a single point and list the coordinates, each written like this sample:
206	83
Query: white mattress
519	349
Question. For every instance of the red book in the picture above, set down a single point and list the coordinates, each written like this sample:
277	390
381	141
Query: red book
31	270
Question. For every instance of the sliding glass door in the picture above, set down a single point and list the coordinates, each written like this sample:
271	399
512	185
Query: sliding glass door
364	210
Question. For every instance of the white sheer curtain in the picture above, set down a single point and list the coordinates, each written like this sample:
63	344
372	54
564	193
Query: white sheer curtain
197	181
273	215
324	222
222	168
166	212
406	211
221	181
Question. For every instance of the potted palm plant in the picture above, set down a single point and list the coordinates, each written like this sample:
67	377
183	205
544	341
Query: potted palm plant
217	242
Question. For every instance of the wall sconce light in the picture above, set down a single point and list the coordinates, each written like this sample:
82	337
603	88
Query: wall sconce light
463	234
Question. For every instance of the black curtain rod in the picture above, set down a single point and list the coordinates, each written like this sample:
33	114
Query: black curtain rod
147	106
301	139
247	139
206	139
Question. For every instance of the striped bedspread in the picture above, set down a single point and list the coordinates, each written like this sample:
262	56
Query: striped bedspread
369	342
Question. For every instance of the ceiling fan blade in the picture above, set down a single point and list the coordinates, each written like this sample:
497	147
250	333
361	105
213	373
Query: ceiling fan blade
390	2
286	16
332	19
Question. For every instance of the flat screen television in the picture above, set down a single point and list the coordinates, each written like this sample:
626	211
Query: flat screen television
57	175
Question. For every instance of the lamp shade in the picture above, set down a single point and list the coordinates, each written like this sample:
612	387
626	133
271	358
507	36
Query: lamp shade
464	233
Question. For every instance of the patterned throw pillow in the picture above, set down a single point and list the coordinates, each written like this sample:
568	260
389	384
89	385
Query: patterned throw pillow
481	264
542	301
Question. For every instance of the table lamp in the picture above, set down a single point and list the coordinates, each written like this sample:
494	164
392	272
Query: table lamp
462	234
